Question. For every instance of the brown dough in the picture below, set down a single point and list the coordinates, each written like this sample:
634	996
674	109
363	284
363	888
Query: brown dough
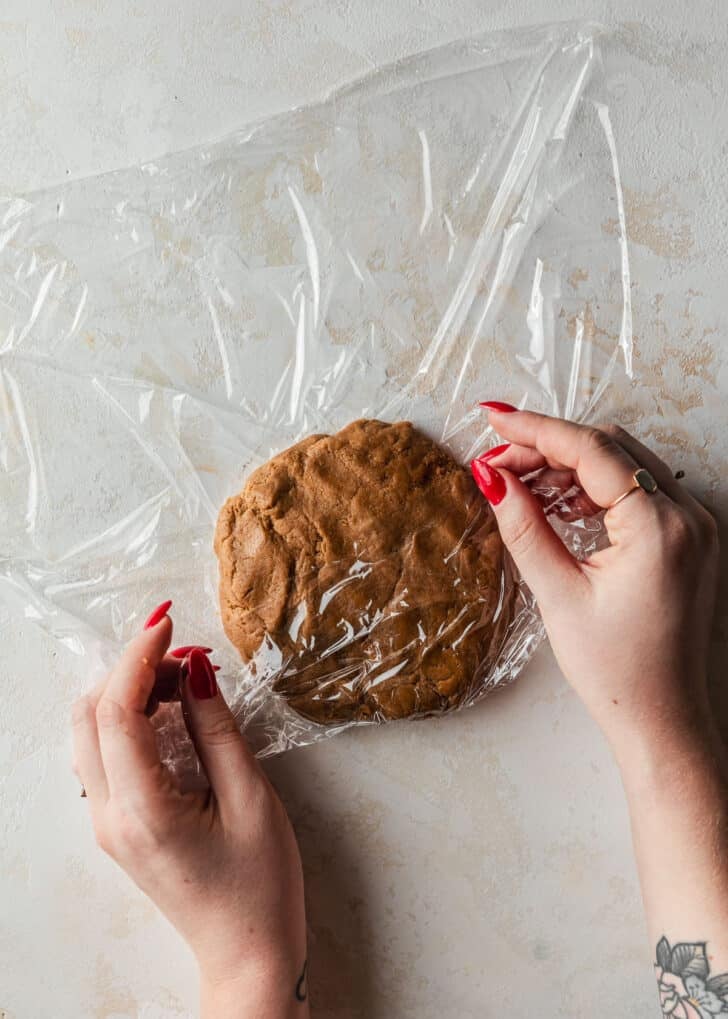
371	561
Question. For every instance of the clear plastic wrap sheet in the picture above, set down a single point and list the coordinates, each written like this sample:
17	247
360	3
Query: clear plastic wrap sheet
446	230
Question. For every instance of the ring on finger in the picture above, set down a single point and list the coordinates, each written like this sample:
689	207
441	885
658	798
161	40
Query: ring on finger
641	479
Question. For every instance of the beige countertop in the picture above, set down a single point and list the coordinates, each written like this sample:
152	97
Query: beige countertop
475	866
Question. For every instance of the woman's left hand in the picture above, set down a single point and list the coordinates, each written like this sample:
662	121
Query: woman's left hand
222	864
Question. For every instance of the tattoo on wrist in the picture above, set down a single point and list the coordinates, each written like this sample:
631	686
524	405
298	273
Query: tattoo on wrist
301	991
687	990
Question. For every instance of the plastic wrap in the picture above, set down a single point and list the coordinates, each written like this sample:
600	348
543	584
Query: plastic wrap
447	230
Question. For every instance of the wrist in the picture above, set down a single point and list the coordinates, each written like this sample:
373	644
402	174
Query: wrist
664	750
265	989
654	713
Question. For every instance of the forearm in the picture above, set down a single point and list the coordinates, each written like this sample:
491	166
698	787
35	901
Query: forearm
676	781
277	993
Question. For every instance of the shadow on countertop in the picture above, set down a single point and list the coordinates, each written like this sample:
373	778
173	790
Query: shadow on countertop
718	655
340	938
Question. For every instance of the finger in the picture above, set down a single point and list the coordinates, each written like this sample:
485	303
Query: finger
604	469
168	676
87	762
556	489
132	679
166	684
184	650
521	459
560	493
228	761
517	459
126	737
541	557
656	466
152	706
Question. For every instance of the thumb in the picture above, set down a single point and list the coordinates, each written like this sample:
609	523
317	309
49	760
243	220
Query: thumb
229	763
543	560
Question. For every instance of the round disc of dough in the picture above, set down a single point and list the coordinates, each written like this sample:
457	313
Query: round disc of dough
371	562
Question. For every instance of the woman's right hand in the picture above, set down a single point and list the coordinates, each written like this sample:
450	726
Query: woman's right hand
630	625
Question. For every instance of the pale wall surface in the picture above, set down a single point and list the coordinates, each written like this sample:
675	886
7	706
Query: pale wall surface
478	866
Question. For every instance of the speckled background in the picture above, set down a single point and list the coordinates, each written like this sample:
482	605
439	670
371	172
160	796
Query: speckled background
477	866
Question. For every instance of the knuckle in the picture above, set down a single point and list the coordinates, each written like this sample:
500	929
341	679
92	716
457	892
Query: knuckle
677	529
220	730
103	838
82	711
614	431
597	440
263	803
520	535
708	527
134	830
109	713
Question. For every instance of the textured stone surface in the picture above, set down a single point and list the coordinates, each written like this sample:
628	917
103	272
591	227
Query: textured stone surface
477	865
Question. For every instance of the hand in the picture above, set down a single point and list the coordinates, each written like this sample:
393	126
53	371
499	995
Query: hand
630	625
222	864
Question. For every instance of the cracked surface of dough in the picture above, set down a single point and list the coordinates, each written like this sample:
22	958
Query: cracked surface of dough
371	561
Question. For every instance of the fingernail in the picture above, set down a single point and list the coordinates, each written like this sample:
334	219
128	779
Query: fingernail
489	481
158	615
216	668
504	408
201	675
491	453
184	650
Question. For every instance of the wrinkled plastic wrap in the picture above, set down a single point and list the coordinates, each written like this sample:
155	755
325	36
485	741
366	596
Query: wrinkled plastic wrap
446	230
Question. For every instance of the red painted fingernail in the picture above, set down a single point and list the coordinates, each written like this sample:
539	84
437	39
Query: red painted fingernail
158	615
490	454
216	668
504	408
184	650
201	675
489	481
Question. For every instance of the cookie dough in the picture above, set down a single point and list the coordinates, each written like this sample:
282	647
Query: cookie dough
373	565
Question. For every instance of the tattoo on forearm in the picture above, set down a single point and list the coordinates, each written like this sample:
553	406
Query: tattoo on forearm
687	990
301	986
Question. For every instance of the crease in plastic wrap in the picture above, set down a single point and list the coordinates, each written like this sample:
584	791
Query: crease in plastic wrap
447	230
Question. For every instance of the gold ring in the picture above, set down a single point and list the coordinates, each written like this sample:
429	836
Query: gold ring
641	479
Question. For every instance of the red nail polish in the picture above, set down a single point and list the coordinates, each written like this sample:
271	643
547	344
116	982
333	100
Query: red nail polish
216	668
490	454
158	615
201	675
504	408
489	481
184	650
